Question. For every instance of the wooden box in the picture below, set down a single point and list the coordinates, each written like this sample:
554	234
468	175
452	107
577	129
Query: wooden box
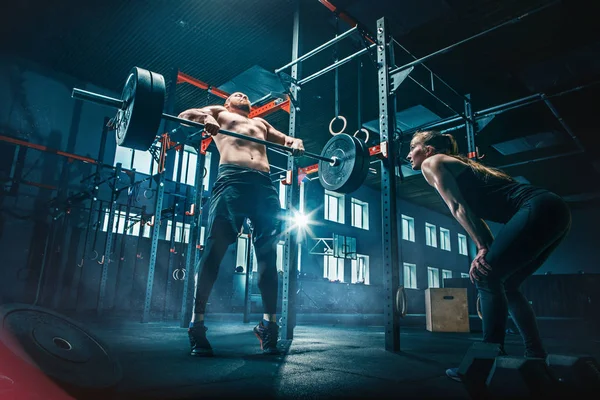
446	310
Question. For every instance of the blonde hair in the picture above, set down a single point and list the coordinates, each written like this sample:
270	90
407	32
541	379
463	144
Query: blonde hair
445	143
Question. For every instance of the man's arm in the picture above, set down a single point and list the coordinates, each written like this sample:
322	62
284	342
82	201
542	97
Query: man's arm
207	116
274	136
437	175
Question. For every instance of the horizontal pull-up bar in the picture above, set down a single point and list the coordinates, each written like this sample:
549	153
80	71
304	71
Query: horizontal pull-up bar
335	65
318	49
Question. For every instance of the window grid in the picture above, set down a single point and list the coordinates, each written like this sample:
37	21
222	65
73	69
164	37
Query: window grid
334	207
360	214
462	244
408	228
430	235
433	277
360	269
446	274
333	268
445	239
410	276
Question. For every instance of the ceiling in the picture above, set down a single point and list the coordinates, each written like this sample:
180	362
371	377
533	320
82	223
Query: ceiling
222	41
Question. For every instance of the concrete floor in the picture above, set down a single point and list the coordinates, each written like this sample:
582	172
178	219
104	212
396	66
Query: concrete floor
335	359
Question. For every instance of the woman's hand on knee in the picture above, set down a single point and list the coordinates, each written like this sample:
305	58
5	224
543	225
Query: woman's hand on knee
479	266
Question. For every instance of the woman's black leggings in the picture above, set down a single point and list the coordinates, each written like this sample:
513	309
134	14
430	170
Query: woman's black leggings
520	248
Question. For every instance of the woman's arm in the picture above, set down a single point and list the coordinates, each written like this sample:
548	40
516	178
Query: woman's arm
437	175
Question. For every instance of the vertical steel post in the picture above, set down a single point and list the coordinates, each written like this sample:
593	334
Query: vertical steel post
160	194
172	253
389	223
193	250
249	276
290	257
470	127
109	237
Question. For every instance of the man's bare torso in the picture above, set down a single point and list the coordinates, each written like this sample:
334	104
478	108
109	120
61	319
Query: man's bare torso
238	151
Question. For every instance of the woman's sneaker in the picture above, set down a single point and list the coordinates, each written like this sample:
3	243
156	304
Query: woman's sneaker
200	345
268	336
452	373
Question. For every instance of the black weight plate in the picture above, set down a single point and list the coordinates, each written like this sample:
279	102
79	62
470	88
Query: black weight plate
138	123
362	173
335	177
60	347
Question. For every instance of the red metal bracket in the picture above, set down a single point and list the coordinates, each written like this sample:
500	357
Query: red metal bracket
270	108
204	144
192	209
288	178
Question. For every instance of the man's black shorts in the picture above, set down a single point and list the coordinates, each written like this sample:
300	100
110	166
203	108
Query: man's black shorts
241	192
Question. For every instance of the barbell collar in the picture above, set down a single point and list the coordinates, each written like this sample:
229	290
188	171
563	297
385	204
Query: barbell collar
98	98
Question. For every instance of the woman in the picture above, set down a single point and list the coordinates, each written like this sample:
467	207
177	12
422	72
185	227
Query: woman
536	221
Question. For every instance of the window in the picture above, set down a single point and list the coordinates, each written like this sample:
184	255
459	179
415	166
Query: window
430	235
130	226
408	228
410	276
444	239
142	161
188	167
333	268
301	205
334	207
182	232
433	277
360	214
242	248
464	275
282	194
360	269
280	255
299	256
446	274
462	244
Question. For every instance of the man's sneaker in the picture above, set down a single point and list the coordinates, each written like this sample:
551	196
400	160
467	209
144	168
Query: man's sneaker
268	337
198	341
452	373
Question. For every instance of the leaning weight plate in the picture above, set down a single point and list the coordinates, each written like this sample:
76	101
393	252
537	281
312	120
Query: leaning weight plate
345	177
144	96
60	347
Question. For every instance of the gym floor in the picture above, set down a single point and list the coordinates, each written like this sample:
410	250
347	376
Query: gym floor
329	357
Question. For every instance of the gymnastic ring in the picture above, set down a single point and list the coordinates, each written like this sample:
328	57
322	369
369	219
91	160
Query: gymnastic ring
331	125
151	193
401	301
478	305
184	272
204	173
366	133
94	257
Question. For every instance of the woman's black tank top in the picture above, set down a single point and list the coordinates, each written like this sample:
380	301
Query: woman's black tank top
493	198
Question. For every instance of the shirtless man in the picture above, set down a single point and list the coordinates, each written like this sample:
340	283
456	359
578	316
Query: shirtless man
243	189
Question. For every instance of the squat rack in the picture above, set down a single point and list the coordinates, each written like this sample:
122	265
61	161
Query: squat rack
388	148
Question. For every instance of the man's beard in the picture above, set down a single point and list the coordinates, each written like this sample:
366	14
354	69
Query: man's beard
243	107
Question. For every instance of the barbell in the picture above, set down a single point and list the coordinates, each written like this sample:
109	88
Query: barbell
343	163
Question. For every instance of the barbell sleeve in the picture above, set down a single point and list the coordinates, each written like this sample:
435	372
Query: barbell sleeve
97	98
